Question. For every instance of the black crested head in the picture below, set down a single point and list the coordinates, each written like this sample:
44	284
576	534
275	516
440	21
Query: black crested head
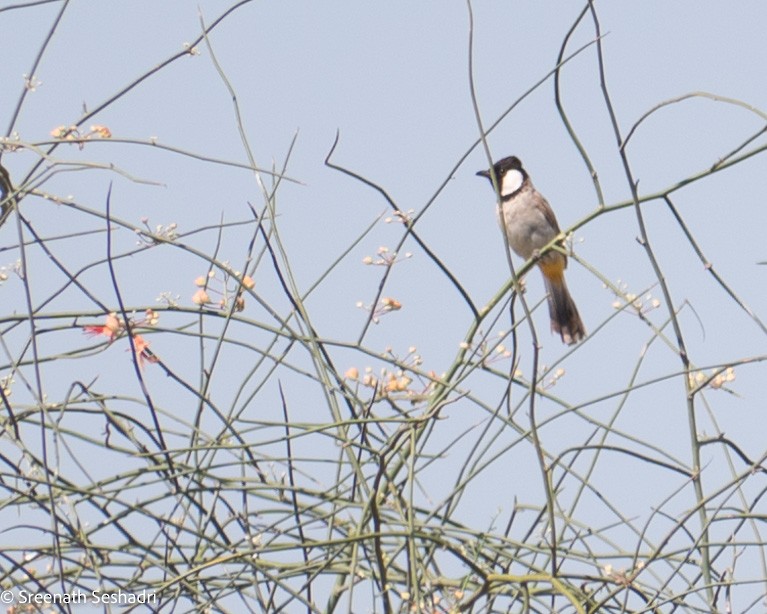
503	166
507	164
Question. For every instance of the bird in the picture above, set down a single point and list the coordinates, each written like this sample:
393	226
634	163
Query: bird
530	224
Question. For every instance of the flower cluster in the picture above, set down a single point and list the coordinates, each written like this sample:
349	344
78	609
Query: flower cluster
386	305
716	379
169	299
396	381
552	381
6	383
114	327
72	133
11	143
487	351
15	268
191	49
404	217
385	257
231	292
642	305
31	82
161	233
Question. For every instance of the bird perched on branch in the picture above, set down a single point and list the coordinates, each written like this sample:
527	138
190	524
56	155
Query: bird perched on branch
530	224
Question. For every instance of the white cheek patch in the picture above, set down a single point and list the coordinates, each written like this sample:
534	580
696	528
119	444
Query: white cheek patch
511	182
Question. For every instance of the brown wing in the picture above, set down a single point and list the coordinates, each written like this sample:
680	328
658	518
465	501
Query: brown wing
544	207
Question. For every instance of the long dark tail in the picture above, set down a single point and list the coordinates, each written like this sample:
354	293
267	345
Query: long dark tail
562	310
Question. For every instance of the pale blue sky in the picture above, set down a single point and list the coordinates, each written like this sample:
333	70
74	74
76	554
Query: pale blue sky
392	79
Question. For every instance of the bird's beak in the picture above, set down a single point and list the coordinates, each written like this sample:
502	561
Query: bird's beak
484	174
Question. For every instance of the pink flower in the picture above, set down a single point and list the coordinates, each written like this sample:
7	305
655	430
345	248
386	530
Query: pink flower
143	353
110	329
